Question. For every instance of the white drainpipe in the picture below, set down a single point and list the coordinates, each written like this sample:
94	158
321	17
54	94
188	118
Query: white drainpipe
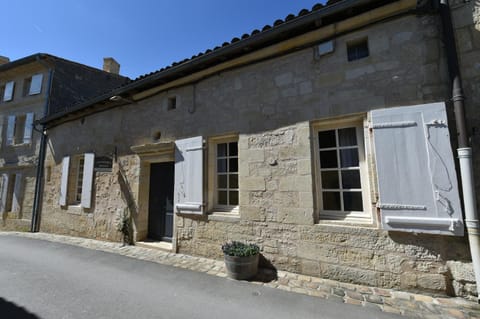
470	204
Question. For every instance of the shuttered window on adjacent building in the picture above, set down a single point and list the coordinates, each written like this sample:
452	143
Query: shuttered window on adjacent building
20	129
11	192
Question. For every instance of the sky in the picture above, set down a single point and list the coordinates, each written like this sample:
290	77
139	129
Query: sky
142	35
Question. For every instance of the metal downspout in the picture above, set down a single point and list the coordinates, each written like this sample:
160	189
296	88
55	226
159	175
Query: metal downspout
464	151
40	165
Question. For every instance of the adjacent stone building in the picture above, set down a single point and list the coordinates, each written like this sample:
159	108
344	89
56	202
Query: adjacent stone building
325	138
30	89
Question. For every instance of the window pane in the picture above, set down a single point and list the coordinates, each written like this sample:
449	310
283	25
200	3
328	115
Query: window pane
233	197
328	159
222	181
233	165
222	165
233	181
222	198
352	201
331	201
327	139
349	157
330	180
347	137
351	179
221	150
232	149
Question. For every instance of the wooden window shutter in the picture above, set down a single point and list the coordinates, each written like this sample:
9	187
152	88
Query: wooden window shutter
64	181
17	193
87	182
27	135
10	129
36	84
188	192
3	192
417	181
9	89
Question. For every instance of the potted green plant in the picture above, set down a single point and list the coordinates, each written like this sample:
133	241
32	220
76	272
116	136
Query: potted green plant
241	259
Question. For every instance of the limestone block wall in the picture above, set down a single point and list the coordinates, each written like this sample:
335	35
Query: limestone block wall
271	106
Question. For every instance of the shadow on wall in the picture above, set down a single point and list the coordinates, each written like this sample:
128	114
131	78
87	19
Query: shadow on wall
129	214
12	311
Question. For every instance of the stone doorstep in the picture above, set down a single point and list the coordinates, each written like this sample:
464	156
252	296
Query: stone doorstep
388	300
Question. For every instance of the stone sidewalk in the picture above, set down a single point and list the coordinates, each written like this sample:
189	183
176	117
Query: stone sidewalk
399	302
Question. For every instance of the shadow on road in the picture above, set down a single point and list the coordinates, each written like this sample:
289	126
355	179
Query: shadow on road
12	311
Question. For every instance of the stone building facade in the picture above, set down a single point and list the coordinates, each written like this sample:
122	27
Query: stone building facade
30	89
255	131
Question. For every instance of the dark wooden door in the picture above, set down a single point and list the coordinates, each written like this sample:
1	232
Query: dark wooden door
160	208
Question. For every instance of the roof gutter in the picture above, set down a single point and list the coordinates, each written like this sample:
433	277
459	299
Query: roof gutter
258	41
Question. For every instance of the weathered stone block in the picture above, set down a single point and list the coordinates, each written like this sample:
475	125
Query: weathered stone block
252	183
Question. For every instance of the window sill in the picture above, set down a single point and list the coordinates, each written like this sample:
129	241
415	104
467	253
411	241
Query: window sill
224	217
352	221
20	145
74	209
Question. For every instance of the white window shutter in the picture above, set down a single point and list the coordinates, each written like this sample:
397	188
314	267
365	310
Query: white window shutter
3	192
64	181
36	84
417	181
87	182
188	193
9	88
17	194
10	129
27	135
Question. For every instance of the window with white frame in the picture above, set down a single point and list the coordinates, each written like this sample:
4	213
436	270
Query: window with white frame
342	175
226	186
75	180
223	192
78	184
20	129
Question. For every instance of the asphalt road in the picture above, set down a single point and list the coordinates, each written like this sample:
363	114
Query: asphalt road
40	279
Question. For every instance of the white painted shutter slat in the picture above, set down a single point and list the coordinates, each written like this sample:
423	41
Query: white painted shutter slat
3	193
17	194
64	181
188	193
87	182
10	129
416	174
27	135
